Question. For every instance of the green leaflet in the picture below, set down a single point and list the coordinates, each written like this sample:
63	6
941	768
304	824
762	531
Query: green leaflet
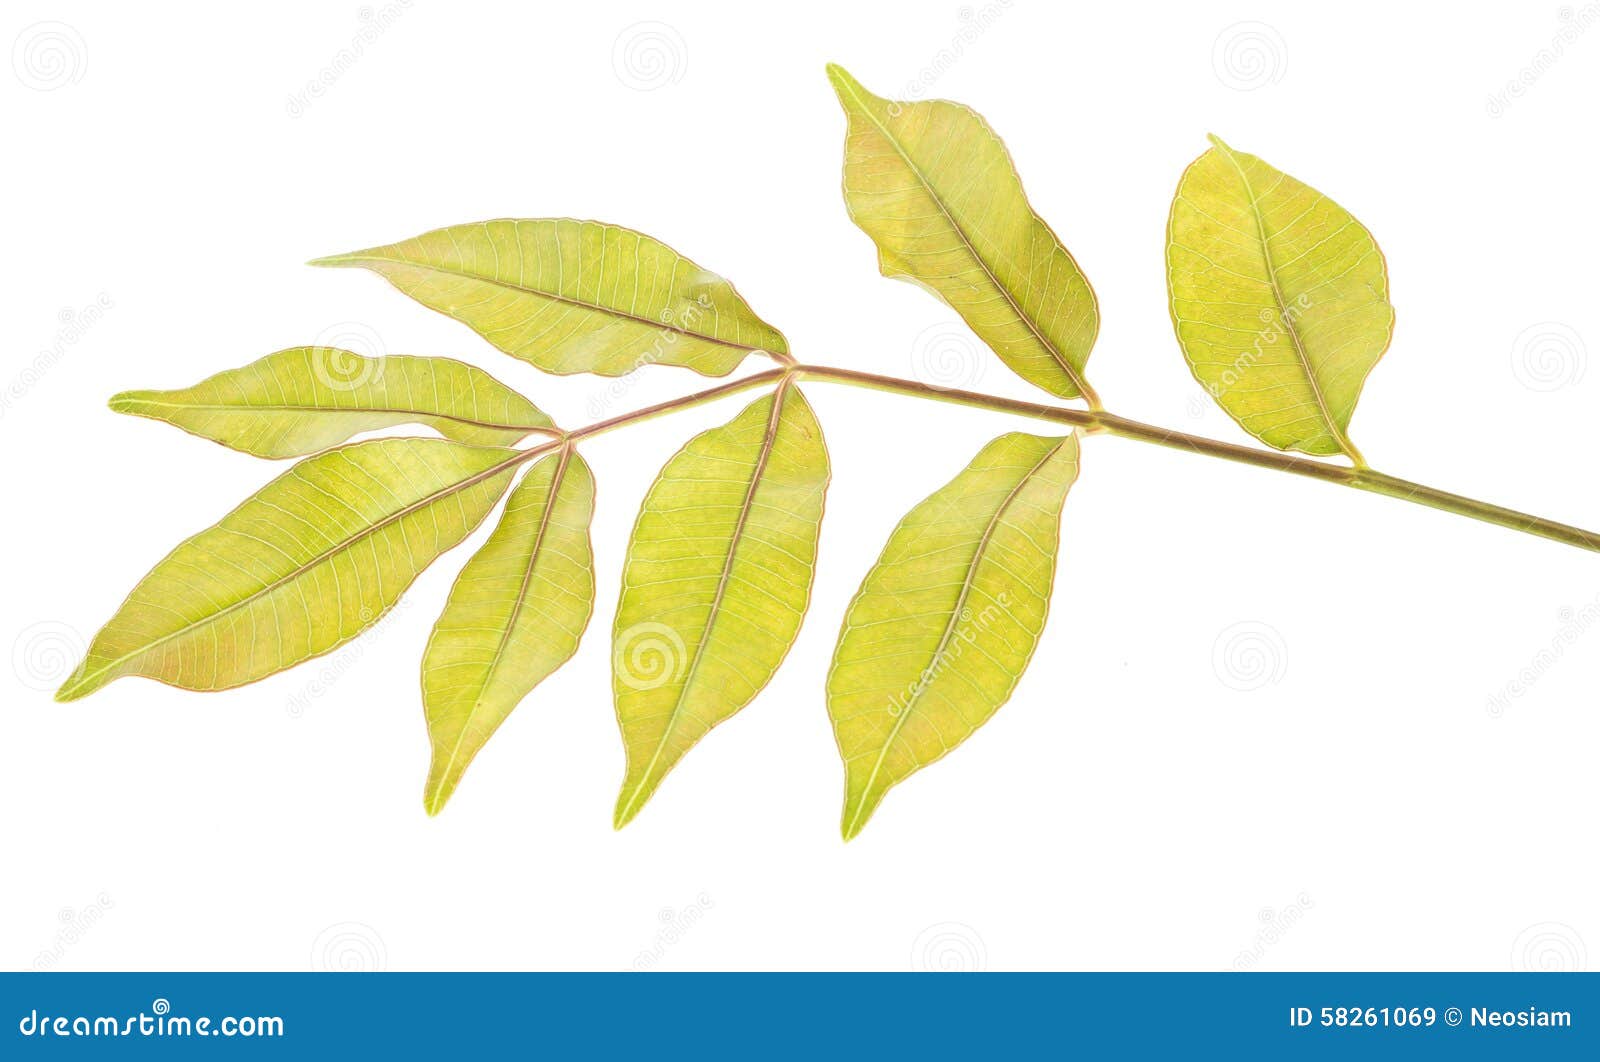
515	614
1280	300
717	580
947	619
305	399
305	564
935	189
575	296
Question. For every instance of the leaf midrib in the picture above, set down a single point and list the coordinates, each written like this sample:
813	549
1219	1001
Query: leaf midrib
779	394
949	631
1078	382
553	296
274	407
1333	428
302	569
551	498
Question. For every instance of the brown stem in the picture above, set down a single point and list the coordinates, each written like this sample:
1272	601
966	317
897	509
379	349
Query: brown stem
1091	421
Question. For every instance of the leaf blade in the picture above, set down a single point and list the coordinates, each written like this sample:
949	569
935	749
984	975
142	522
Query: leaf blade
1279	298
575	296
976	244
297	401
515	614
902	679
716	584
193	621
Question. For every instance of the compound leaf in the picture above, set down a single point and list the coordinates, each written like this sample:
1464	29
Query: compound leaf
945	622
717	580
935	189
305	399
1280	300
515	614
575	296
304	565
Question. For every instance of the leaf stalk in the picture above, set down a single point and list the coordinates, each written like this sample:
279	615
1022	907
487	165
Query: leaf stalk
1093	421
1096	421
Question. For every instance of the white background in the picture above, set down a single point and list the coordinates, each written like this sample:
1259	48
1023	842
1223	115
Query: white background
1261	730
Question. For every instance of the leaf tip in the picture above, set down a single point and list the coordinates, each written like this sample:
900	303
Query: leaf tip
854	820
627	808
1217	142
334	260
75	688
843	82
